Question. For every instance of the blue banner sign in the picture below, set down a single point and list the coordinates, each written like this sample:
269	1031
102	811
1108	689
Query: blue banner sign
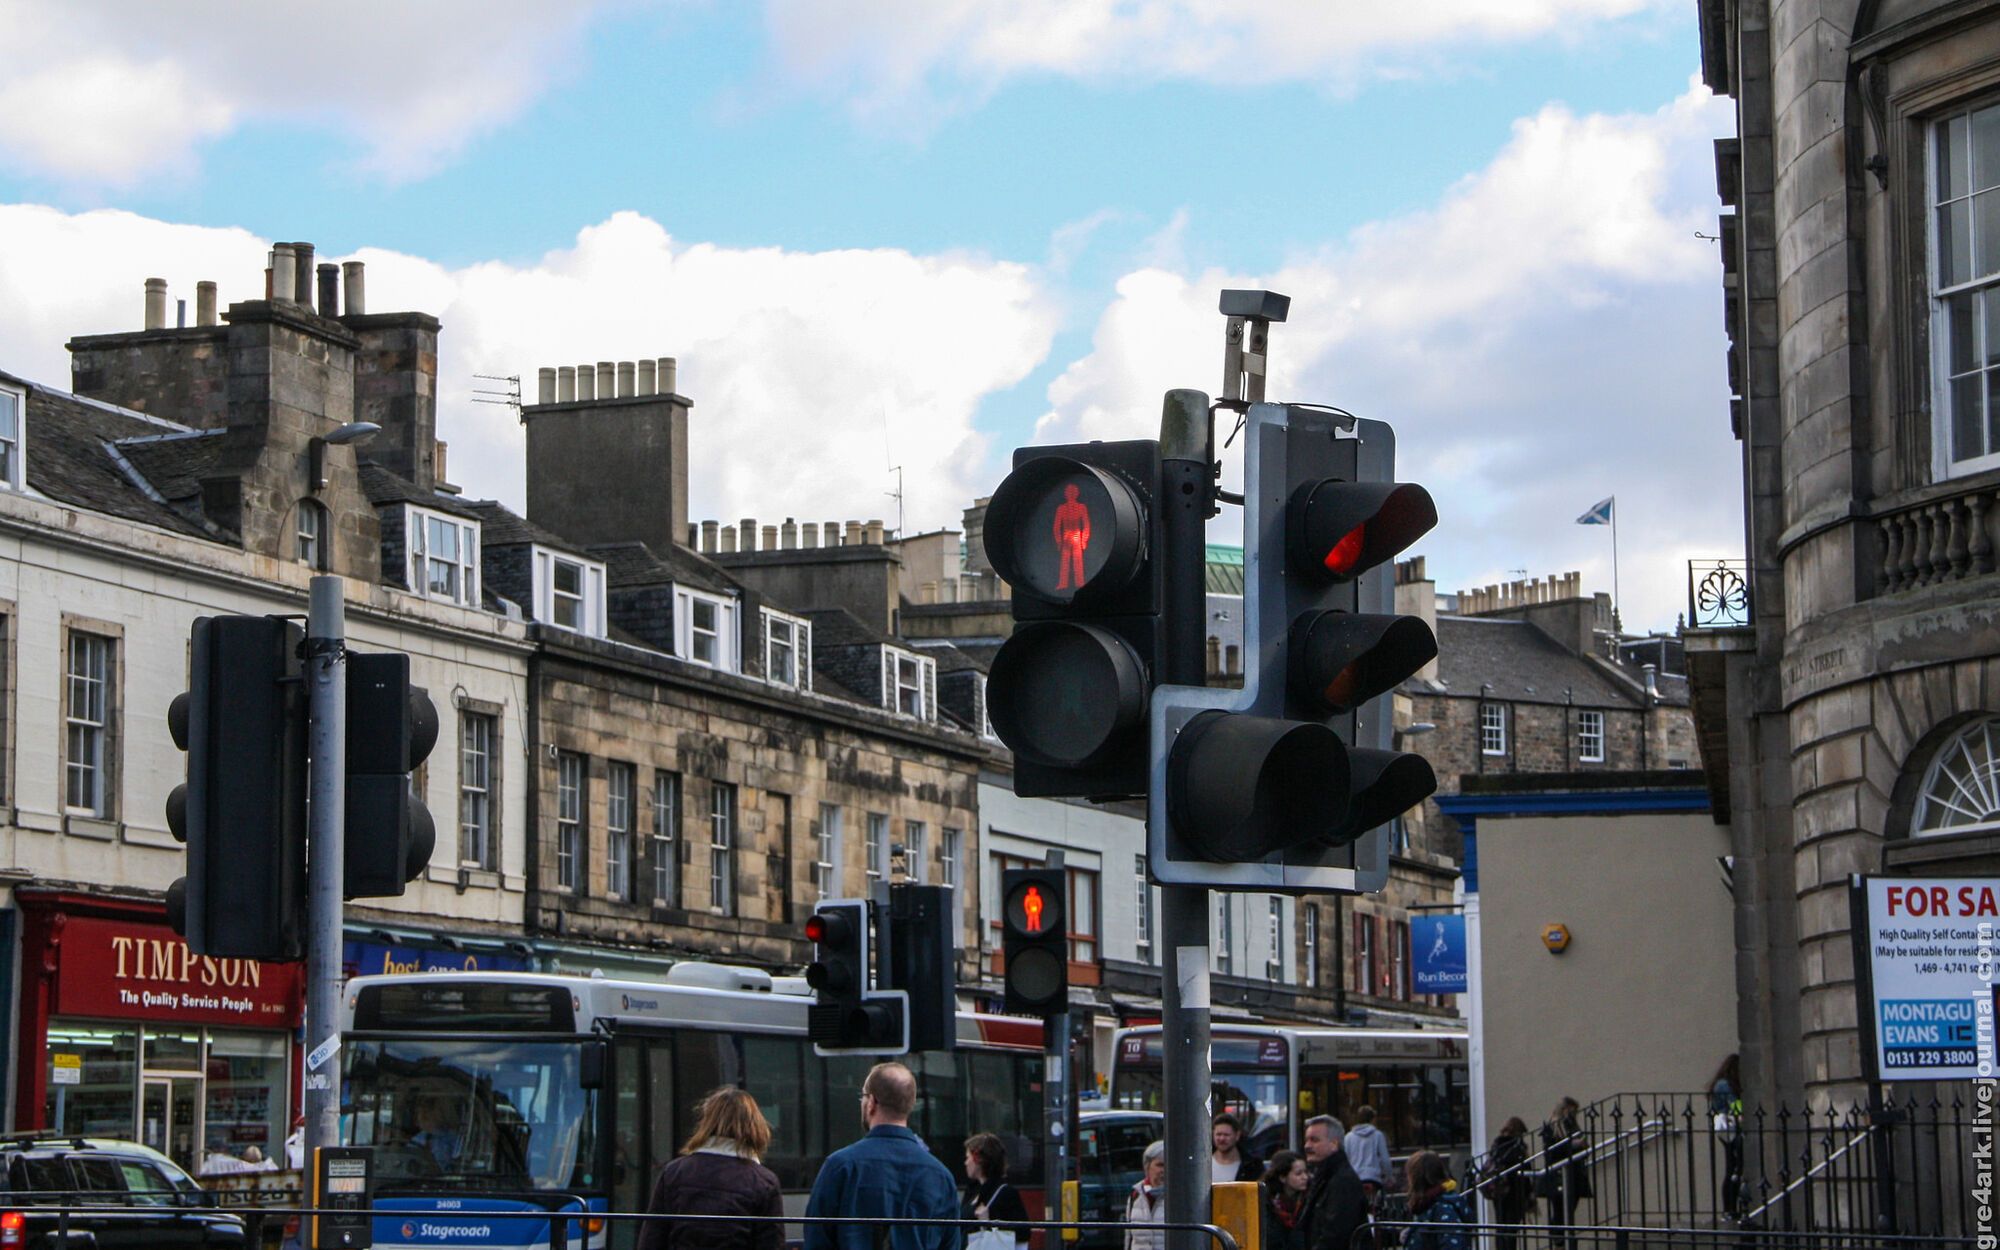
370	959
1437	945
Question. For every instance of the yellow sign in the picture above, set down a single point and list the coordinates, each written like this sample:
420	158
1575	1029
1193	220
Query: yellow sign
1237	1206
67	1069
1072	1203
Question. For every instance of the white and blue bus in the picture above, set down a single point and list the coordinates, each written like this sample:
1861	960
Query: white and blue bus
527	1094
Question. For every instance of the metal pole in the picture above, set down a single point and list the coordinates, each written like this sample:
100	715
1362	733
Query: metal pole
1055	1102
1184	1029
326	673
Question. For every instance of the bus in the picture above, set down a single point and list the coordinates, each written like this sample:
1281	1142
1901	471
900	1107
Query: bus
1275	1078
532	1093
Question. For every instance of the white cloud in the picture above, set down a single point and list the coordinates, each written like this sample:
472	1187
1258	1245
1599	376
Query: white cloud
811	373
884	53
1549	333
106	92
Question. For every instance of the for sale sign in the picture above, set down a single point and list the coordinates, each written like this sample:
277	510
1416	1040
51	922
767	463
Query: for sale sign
1925	950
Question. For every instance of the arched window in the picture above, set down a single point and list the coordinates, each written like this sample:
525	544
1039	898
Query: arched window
312	534
1961	791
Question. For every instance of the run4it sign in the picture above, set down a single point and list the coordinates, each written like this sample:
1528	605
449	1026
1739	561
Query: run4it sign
1924	948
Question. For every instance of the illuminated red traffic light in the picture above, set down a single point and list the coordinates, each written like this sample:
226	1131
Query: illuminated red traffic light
1343	529
1347	552
816	929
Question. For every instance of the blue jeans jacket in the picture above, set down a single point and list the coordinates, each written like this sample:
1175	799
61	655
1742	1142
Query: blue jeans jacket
888	1172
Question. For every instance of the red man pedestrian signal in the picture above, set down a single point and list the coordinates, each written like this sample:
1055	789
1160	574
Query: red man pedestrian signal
1035	941
1072	534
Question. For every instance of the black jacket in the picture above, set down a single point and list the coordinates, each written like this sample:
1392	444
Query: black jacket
1563	1142
1335	1206
713	1184
1003	1206
1276	1235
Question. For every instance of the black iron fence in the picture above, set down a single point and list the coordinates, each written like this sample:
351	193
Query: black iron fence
1680	1160
1418	1234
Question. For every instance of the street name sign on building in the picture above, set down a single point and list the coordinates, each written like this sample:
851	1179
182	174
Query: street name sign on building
1924	959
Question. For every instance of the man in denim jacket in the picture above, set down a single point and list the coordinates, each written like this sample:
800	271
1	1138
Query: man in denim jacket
886	1173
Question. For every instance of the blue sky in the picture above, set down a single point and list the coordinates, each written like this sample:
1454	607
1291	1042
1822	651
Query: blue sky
1042	213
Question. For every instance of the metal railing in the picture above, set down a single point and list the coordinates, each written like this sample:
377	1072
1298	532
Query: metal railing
1422	1234
1718	594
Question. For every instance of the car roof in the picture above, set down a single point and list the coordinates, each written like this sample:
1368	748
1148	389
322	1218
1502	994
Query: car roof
52	1146
1136	1116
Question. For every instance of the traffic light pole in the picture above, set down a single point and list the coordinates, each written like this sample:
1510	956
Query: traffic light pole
326	675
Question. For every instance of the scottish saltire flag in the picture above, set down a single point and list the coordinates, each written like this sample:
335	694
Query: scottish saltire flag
1599	514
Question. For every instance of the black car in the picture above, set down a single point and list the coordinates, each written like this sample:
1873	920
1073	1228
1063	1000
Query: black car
1110	1159
159	1207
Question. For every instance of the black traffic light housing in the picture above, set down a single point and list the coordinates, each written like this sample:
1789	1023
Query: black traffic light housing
848	1015
922	947
392	727
1281	786
242	810
1081	535
1034	929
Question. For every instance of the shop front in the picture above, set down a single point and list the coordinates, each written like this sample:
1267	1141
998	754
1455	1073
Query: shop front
125	1033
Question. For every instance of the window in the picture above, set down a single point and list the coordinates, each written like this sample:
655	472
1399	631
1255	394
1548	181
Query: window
1590	737
1274	964
666	838
949	850
1225	957
1965	290
722	849
312	534
1961	790
876	848
826	851
1143	925
444	556
569	820
1082	916
1399	960
986	729
787	650
475	789
1493	729
1311	919
704	629
569	592
1364	954
909	684
88	758
13	406
621	785
914	836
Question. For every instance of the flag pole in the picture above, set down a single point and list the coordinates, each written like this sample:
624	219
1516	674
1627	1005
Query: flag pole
1615	600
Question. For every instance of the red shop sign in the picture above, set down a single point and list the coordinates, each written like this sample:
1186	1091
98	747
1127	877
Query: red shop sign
133	971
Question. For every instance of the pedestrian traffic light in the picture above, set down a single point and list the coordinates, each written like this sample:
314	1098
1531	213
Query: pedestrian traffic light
391	728
922	949
242	809
848	1015
1075	532
1280	786
1034	928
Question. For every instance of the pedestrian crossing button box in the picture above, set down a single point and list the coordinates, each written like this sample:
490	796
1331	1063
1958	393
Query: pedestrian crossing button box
344	1192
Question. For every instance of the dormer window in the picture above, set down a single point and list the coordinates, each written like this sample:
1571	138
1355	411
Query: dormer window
787	650
705	629
13	410
444	556
569	592
909	683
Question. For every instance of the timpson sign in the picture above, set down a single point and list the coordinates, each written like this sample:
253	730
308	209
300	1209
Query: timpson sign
131	971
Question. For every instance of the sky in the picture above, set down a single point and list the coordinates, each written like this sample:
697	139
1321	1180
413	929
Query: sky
912	235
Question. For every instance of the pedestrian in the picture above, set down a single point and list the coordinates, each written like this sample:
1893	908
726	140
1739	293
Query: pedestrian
1506	1183
888	1173
1565	1179
1147	1203
1725	1111
719	1172
1335	1206
1226	1161
1367	1153
1437	1209
1285	1184
988	1196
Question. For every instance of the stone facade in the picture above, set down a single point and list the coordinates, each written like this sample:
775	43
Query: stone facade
1876	623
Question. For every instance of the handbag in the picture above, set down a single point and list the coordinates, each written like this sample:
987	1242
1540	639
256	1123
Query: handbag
991	1238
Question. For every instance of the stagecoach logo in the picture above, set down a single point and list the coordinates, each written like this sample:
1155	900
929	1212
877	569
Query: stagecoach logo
447	1232
628	1003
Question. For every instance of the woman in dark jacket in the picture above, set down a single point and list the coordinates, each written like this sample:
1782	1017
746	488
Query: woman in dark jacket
718	1173
1285	1183
1507	1185
1565	1182
988	1196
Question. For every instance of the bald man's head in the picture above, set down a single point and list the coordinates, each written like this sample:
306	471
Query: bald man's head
894	1090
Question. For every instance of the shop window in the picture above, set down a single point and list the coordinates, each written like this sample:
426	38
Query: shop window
99	1100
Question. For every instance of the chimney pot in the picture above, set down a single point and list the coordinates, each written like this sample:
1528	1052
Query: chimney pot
708	529
1232	659
871	533
329	289
354	288
302	263
747	534
204	303
626	379
830	534
669	378
545	386
156	303
284	272
770	538
853	538
788	534
809	534
566	384
607	379
694	538
586	383
438	446
647	378
180	314
728	540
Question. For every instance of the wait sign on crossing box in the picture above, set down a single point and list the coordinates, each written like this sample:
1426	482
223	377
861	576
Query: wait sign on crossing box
1924	952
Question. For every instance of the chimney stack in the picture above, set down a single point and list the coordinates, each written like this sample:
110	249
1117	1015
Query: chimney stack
566	384
329	289
545	386
156	303
302	263
204	303
669	378
284	272
354	281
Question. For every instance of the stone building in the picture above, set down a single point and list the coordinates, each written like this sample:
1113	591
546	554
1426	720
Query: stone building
1845	726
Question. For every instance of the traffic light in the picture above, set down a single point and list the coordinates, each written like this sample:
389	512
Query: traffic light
923	945
1034	928
1080	533
391	728
848	1015
1277	786
242	810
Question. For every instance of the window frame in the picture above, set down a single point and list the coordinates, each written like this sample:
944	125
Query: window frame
827	832
1976	777
1586	735
875	848
916	836
488	833
923	686
799	642
723	816
1274	962
1937	297
14	458
1142	925
589	596
572	828
103	731
726	641
1225	935
1309	923
318	560
663	840
1494	732
418	559
621	799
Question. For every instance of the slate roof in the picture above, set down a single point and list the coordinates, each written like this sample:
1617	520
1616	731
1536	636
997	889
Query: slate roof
1521	663
500	526
950	658
837	627
383	486
636	564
